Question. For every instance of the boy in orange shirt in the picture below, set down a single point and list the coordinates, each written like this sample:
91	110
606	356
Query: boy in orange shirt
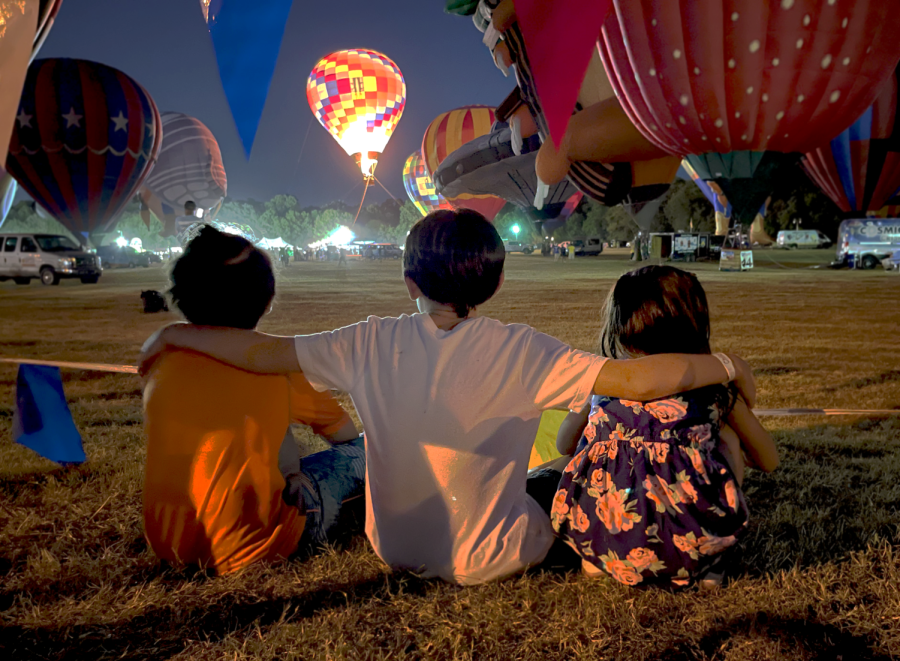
213	493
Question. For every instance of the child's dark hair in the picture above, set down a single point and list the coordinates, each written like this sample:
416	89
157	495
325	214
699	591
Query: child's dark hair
222	280
659	309
455	258
655	309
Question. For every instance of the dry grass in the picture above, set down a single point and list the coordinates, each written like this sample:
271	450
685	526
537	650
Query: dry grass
819	573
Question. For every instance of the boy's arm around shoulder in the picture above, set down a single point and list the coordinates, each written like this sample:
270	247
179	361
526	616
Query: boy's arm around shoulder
652	377
245	349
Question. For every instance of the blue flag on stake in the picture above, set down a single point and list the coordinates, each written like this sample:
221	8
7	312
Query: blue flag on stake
42	421
246	36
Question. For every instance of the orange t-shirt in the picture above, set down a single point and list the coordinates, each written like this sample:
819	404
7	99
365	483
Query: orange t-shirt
212	488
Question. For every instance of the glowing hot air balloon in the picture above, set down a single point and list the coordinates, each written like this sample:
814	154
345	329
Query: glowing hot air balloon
420	187
358	96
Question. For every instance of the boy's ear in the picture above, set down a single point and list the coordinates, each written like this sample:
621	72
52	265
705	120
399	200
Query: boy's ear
412	288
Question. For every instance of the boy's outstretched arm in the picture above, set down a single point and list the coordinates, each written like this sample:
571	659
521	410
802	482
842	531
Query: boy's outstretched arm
652	377
245	349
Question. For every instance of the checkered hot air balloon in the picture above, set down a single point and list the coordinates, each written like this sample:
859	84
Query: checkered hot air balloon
358	96
420	187
85	138
448	132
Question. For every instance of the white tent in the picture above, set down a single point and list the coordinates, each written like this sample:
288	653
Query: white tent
271	244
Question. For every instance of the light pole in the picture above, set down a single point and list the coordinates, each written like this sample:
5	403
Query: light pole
515	229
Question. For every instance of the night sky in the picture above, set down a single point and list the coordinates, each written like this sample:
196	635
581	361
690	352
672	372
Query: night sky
165	46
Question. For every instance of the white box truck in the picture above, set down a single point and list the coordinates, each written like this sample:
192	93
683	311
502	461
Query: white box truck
863	243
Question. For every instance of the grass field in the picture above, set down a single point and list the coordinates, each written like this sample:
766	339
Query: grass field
818	575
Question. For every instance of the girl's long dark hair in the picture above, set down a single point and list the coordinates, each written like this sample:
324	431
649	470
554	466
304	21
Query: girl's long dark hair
658	309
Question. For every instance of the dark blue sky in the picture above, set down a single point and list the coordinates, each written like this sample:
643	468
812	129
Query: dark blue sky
165	46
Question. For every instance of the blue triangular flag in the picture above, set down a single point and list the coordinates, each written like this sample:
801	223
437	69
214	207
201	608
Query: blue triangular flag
246	36
42	421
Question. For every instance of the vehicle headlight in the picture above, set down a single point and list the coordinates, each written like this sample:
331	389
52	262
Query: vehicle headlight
67	262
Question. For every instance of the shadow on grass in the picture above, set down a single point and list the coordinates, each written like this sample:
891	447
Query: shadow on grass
21	487
798	636
777	370
164	632
891	376
837	491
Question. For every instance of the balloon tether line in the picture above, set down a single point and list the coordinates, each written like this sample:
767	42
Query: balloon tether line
385	189
368	181
303	146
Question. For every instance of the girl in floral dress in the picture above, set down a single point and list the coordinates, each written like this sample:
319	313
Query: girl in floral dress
652	495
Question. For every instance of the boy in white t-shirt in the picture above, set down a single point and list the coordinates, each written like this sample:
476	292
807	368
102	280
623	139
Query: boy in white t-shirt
451	402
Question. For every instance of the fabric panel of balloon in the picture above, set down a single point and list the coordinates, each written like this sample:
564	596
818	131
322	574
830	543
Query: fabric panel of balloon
448	132
189	166
860	168
707	75
358	96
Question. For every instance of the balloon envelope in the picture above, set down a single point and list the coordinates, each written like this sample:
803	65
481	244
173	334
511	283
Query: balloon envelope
358	96
448	132
46	17
607	183
188	168
7	193
860	168
489	166
716	76
643	212
420	187
18	21
745	177
85	139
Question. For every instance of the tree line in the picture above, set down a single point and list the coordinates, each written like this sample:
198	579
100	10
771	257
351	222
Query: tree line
684	208
282	216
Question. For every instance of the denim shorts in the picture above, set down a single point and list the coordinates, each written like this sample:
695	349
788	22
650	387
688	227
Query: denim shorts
330	488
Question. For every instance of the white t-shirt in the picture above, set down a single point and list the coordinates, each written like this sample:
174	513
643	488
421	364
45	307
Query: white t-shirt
450	418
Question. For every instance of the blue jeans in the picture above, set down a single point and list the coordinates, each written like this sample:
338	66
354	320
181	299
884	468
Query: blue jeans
330	487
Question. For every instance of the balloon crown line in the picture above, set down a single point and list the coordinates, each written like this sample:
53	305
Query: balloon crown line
131	369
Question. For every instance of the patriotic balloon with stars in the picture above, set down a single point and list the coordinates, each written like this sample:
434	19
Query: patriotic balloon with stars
85	137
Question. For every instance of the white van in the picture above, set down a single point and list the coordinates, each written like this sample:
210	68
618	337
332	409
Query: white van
802	239
865	242
48	257
591	246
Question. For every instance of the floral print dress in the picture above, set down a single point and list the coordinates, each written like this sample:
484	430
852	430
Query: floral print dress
649	497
